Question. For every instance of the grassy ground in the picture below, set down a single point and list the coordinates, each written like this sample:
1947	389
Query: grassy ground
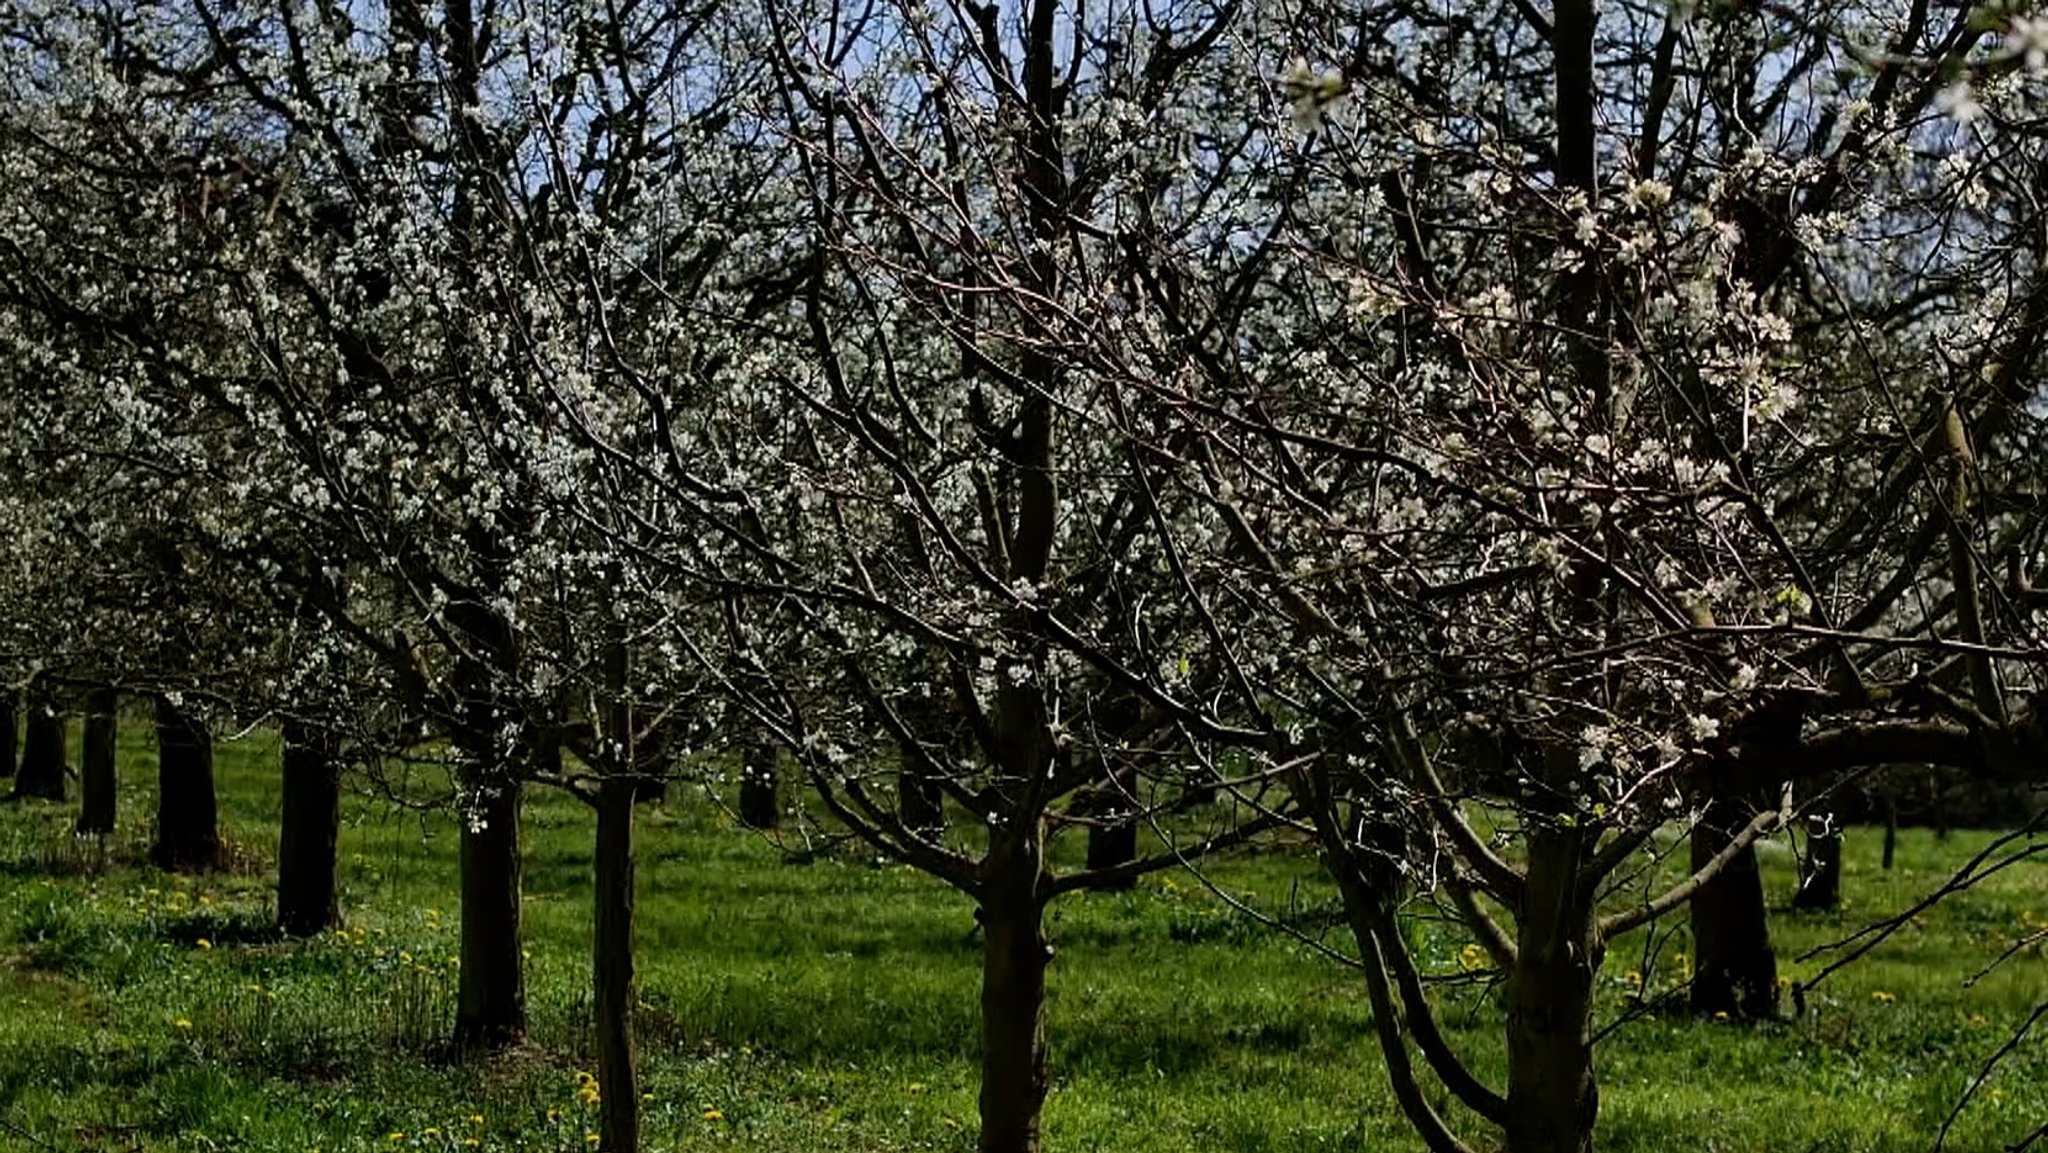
830	1005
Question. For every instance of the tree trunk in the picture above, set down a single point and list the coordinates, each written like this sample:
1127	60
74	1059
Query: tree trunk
96	771
7	732
1553	1097
187	831
919	802
42	756
1014	954
1735	970
490	1009
307	903
758	806
612	967
1110	845
1820	882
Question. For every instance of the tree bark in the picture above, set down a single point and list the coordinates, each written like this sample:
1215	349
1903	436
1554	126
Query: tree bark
187	815
1553	1096
1820	882
1735	970
1014	955
1114	841
97	782
612	967
307	901
759	808
41	774
490	1010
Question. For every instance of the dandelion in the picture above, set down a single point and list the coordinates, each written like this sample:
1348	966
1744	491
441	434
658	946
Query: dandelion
591	1139
1471	957
395	1137
554	1116
1977	1021
204	944
430	1132
713	1115
182	1023
1883	998
476	1118
1720	1014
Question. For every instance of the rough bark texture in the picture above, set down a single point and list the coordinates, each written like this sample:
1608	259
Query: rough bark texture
490	1009
1553	1098
96	772
758	806
1820	882
1014	955
187	817
41	773
1735	970
612	968
307	903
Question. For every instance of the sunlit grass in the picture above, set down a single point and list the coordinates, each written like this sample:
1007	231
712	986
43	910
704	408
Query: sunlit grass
830	1005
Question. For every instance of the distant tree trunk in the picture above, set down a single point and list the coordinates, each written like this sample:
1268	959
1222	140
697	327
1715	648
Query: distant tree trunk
8	735
1820	882
187	816
97	784
612	967
308	831
1114	841
759	808
1014	956
919	802
1735	970
41	774
490	1010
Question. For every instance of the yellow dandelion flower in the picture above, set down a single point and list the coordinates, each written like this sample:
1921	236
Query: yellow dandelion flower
1720	1014
554	1115
1883	998
183	1023
476	1118
591	1139
430	1132
395	1137
203	943
1977	1020
713	1115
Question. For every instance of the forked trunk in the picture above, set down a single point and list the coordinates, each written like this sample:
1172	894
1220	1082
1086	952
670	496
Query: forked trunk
490	1009
612	967
42	756
307	835
1553	1098
187	816
1014	955
758	807
96	772
1735	970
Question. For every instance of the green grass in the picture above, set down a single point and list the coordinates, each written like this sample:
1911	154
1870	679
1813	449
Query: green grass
830	1005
